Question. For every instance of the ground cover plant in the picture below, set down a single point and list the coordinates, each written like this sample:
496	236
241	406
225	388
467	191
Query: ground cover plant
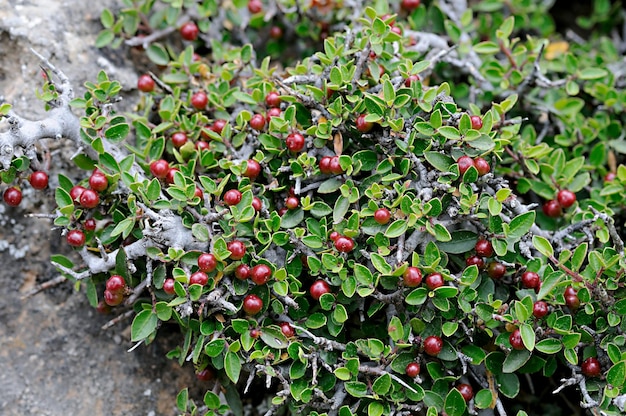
387	208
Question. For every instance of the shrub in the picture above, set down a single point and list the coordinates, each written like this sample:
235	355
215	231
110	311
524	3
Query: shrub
460	123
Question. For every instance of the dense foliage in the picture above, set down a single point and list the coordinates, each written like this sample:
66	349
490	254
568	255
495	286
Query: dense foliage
396	209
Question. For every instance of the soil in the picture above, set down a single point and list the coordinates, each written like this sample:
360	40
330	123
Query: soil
54	357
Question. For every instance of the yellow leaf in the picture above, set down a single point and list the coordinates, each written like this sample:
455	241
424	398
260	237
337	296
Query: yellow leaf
555	49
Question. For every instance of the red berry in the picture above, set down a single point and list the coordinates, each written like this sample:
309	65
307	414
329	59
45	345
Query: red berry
572	302
159	168
335	167
362	125
433	345
252	304
397	30
12	196
169	178
75	238
530	280
610	177
412	369
496	270
242	272
464	162
540	309
103	308
570	291
76	192
516	340
334	236
257	122
412	277
552	208
477	122
287	329
276	32
207	262
255	333
38	180
253	169
324	165
318	288
255	6
145	83
198	278
115	283
202	145
273	112
295	142
484	248
482	166
282	211
199	100
566	198
179	139
382	216
198	192
189	31
237	249
272	99
260	274
113	298
466	391
410	5
89	198
591	367
257	204
90	224
168	286
475	260
410	80
232	197
344	244
205	375
218	126
434	280
98	182
292	202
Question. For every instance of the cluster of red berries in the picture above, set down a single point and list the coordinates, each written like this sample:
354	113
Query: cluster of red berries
87	198
13	195
554	207
466	162
330	165
342	243
412	277
114	292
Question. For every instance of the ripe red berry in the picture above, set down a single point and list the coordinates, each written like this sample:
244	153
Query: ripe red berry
12	196
90	224
335	166
570	291
496	270
272	99
540	309
38	180
218	126
344	244
257	204
199	100
610	177
477	122
113	298
237	249
115	283
255	333
242	272
98	182
572	302
292	202
318	288
257	122
232	197
252	304
205	375
475	260
410	5
591	367
145	83
179	139
276	32
484	248
169	178
434	280
482	166
410	80
202	145
260	274
273	112
295	142
189	31
566	198
397	30
198	192
103	308
168	286
433	345
382	216
253	169
255	6
75	238
466	391
334	236
464	162
199	278
282	211
76	192
362	125
530	280
552	208
516	340
207	262
89	198
412	369
412	277
324	165
159	168
287	329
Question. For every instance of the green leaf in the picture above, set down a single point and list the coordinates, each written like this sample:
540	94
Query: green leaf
439	161
515	360
157	54
341	208
396	229
232	366
592	73
356	388
181	400
382	384
395	329
417	296
487	48
143	325
381	264
548	284
460	242
528	336
520	226
454	404
329	185
273	337
484	399
616	376
292	218
117	133
543	245
508	384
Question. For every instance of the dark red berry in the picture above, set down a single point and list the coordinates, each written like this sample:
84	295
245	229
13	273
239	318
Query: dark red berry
260	274
90	224
591	367
464	162
145	83
255	6
496	270
115	283
76	192
12	196
433	345
482	166
318	288
409	5
295	142
207	262
98	182
566	198
475	261
159	168
335	166
218	125
530	280
572	302
168	286
484	248
242	272
466	391
252	304
324	165
198	192
257	122
410	80
412	277
257	204
382	216
434	280
516	340
202	145
253	169
334	236
237	249
113	298
232	197
75	238
344	244
477	122
89	198
292	202
179	139
199	100
276	32
38	180
552	208
287	329
273	112
198	278
540	309
169	178
272	99
362	125
205	375
189	31
412	369
570	291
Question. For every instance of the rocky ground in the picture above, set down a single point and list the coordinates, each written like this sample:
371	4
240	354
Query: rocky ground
54	357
